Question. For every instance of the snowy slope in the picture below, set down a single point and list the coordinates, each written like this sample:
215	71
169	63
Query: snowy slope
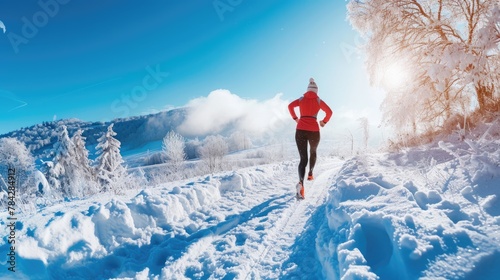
423	213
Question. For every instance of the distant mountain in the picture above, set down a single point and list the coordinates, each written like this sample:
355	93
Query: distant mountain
133	132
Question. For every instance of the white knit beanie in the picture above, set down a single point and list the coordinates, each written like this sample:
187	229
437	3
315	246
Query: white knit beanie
312	86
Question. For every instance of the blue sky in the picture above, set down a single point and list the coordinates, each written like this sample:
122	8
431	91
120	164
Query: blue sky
99	60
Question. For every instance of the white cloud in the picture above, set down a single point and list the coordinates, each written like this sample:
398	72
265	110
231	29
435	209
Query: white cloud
221	110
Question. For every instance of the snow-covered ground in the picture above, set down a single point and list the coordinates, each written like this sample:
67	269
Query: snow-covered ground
235	224
431	212
414	215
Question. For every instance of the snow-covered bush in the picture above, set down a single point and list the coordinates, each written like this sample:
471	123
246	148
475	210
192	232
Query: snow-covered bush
157	175
154	158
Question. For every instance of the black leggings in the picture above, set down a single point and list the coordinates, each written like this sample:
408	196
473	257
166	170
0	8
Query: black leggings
302	138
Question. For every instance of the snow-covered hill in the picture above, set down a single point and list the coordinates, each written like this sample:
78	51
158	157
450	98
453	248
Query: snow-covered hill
133	132
429	213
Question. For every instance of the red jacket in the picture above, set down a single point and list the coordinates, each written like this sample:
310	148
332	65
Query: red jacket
309	106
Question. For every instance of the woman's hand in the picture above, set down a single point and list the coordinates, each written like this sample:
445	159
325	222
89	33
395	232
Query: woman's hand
322	123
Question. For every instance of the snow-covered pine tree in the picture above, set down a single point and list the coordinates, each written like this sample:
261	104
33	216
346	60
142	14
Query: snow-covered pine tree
63	169
84	173
110	170
174	146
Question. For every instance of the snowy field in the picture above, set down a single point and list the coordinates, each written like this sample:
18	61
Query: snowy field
421	213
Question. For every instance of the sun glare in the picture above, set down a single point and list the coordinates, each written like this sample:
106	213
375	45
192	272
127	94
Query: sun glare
395	76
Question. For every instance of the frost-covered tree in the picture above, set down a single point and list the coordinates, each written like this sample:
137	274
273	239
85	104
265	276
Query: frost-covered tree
213	151
110	170
82	154
62	171
430	56
84	174
174	146
14	153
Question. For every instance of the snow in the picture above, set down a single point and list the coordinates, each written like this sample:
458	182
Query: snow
423	218
430	212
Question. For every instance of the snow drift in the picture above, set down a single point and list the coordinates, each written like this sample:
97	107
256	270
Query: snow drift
430	212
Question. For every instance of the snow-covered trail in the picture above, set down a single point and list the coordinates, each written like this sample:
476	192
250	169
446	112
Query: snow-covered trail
292	225
255	243
243	224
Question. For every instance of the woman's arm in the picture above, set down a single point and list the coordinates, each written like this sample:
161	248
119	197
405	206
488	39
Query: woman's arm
327	110
291	108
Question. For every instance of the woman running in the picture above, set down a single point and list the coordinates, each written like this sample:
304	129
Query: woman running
308	130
